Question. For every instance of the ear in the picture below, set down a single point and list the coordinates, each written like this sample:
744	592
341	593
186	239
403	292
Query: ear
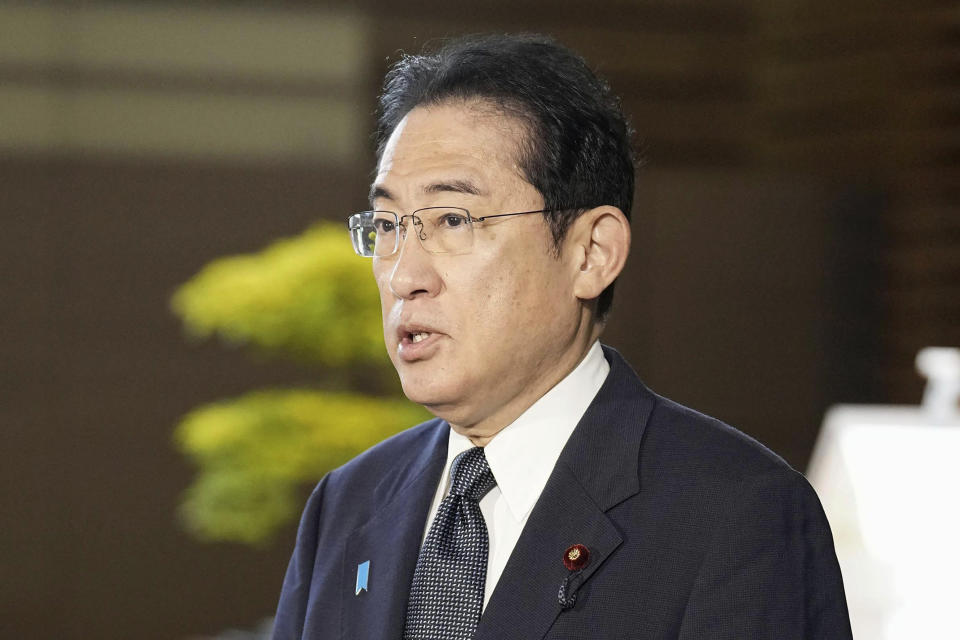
600	241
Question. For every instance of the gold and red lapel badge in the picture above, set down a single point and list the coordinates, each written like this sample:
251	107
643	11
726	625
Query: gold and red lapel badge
576	557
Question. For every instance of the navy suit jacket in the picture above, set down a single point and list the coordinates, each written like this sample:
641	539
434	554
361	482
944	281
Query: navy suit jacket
694	531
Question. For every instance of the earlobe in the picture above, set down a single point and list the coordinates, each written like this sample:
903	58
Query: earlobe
602	237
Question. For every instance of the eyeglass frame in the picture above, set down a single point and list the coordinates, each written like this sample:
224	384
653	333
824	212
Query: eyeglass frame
416	220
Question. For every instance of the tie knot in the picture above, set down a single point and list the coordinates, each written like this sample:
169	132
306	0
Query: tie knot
470	476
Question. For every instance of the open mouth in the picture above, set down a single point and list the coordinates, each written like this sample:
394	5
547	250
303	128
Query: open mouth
416	343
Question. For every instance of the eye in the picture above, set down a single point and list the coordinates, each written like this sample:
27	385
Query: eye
383	225
452	220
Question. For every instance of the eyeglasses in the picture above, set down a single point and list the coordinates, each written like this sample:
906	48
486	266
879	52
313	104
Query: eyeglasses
439	229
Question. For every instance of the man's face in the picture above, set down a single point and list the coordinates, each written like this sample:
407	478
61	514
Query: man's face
475	337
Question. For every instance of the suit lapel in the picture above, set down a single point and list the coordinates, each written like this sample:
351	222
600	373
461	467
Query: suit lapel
596	471
390	541
525	602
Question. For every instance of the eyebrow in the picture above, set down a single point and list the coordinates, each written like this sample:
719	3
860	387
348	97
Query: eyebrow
447	186
377	193
454	186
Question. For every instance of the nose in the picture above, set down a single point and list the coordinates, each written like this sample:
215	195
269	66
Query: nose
414	273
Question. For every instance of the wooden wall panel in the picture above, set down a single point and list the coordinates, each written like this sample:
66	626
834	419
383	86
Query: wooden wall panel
797	234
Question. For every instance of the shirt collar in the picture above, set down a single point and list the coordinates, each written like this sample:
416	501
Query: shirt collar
523	454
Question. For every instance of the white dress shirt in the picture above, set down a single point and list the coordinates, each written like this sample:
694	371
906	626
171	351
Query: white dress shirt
523	455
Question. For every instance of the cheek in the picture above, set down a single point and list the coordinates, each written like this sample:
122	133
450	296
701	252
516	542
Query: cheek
381	275
386	303
518	296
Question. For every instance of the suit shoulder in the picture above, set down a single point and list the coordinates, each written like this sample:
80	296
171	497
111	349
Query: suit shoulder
409	440
396	452
704	445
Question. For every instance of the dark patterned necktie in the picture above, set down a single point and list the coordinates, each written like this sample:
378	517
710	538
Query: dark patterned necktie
446	596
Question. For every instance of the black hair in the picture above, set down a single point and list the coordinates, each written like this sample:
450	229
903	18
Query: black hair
577	149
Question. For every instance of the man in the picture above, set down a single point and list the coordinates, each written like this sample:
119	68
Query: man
554	496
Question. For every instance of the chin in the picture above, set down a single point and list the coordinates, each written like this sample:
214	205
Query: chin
438	401
419	390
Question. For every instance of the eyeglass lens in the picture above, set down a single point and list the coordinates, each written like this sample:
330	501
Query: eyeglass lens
439	229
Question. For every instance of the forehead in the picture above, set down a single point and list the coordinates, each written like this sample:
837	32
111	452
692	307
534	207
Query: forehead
462	142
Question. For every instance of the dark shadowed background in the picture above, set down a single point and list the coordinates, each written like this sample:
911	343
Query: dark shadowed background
796	227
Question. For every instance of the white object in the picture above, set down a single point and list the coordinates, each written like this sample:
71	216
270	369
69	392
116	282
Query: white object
941	367
889	480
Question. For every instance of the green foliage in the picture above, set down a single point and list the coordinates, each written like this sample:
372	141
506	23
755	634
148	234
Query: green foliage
257	451
309	297
312	299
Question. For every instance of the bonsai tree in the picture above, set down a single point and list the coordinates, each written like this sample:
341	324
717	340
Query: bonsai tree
310	299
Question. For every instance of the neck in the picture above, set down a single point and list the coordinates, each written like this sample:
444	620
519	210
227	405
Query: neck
483	431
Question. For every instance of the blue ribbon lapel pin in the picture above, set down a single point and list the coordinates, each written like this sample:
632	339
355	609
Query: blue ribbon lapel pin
363	577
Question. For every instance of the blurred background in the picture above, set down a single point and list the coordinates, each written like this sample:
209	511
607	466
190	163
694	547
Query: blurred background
797	240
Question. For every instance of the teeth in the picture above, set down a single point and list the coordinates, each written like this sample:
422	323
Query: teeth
417	337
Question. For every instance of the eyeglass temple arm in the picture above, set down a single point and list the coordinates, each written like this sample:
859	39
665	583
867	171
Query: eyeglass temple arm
518	213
